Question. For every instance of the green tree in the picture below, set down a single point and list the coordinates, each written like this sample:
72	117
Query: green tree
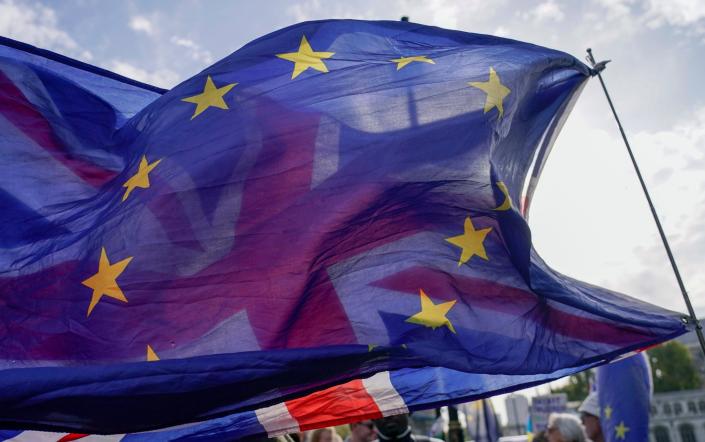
578	386
672	368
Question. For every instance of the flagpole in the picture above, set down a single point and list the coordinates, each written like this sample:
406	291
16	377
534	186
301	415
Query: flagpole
455	431
597	68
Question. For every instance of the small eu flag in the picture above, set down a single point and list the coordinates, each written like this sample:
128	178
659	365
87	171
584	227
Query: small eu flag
624	389
333	201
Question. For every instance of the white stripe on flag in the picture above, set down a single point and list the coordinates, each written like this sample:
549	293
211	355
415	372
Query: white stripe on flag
277	420
38	436
385	395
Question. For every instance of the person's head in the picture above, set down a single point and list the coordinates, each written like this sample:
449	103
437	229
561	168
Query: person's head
362	431
325	435
393	427
590	416
540	437
563	427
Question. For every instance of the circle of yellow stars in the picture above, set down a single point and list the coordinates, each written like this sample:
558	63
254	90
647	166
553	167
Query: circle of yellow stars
471	242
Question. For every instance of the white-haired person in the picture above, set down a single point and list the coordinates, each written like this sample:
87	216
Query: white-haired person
563	427
590	415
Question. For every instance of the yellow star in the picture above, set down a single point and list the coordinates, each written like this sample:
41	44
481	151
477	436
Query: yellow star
608	412
621	431
403	61
151	356
432	315
306	58
141	178
495	90
471	242
103	283
211	96
507	203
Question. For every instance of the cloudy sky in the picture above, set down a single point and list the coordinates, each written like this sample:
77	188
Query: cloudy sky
589	218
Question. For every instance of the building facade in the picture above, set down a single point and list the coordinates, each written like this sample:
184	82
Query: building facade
678	416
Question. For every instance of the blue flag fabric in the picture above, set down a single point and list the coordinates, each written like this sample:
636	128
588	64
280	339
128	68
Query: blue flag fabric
386	393
624	390
333	200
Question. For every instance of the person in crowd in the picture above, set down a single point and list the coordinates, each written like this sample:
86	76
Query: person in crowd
325	435
298	437
540	437
397	429
563	427
362	432
590	415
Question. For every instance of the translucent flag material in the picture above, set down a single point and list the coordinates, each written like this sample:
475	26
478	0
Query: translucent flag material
335	200
624	389
383	394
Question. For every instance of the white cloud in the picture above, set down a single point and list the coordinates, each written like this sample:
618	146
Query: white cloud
679	198
162	77
443	13
675	12
194	50
450	14
139	23
501	31
304	11
620	247
621	18
546	11
677	149
595	23
316	10
616	8
37	25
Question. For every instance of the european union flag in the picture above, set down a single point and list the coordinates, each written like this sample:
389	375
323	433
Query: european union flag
335	200
624	390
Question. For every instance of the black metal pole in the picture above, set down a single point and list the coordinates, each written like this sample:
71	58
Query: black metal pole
455	431
597	69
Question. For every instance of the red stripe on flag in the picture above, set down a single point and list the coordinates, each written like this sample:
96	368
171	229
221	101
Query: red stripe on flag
491	295
349	402
22	114
72	436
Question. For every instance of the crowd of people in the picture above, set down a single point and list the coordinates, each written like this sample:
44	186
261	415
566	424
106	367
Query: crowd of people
564	427
388	429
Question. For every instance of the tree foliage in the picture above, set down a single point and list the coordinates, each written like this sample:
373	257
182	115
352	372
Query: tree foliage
672	368
578	386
